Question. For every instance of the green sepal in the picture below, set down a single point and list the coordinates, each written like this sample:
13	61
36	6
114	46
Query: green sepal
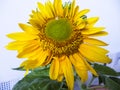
19	68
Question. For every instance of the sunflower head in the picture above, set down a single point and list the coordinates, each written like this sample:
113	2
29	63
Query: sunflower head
63	37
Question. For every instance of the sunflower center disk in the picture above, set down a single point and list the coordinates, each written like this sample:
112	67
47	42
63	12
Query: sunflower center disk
58	30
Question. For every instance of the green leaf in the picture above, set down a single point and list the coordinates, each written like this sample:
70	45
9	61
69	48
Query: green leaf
38	79
105	70
117	80
64	89
113	83
118	73
19	68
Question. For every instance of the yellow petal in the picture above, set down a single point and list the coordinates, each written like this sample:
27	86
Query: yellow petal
92	20
37	19
49	8
29	48
94	41
83	74
36	23
94	53
68	72
16	45
28	29
43	10
43	56
93	30
22	36
77	61
66	9
80	67
75	11
54	69
58	7
27	71
60	77
49	58
32	53
101	33
61	74
95	48
88	65
81	25
78	23
90	68
72	9
81	13
33	63
29	64
74	61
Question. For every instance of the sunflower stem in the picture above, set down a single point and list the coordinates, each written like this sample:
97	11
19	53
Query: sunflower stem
61	85
81	86
91	81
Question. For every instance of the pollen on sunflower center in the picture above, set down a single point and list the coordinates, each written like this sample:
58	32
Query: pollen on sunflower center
58	30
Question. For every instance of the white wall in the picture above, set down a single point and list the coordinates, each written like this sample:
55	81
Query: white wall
14	11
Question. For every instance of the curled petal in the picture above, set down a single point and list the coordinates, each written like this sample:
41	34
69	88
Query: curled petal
54	69
68	72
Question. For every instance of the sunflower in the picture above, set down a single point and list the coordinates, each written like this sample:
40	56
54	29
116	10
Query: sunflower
63	37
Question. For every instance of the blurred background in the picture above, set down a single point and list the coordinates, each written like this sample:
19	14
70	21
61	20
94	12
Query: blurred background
13	12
